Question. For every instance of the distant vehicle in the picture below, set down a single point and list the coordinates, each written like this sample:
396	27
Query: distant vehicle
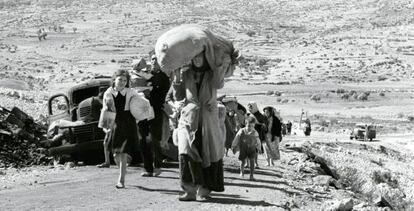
364	132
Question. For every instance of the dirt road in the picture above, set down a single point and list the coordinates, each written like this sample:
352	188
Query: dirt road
277	187
88	188
292	184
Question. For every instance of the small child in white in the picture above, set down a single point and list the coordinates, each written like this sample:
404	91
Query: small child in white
248	143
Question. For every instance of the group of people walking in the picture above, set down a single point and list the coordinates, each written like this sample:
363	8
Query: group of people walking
201	164
256	133
194	128
185	107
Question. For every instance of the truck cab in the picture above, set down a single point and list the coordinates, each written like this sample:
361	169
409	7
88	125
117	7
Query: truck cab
75	139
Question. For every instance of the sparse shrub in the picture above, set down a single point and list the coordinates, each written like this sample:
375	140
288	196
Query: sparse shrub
400	115
340	91
382	94
363	96
382	78
285	101
261	62
352	92
350	178
278	100
270	92
251	33
277	93
410	118
345	96
355	96
316	97
384	177
324	123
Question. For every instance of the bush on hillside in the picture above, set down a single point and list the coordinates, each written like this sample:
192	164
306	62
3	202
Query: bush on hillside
316	97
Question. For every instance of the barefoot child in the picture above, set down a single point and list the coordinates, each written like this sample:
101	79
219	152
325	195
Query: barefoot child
248	143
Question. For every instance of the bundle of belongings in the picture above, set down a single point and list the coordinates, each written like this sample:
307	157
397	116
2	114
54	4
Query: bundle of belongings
141	108
175	49
139	76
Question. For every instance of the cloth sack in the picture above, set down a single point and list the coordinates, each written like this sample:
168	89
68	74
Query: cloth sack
141	108
178	46
106	119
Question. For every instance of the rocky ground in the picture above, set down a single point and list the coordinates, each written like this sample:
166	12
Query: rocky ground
340	62
362	176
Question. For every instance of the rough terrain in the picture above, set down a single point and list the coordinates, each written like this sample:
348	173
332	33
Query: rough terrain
340	62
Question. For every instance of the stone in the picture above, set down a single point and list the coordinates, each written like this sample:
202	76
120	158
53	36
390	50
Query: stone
336	205
69	165
323	180
380	201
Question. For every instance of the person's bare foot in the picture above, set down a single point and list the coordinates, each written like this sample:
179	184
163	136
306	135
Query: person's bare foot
103	165
119	185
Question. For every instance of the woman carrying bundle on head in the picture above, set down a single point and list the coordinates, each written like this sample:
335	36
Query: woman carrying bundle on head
203	60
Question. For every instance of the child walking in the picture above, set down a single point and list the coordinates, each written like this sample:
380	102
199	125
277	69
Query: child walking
117	121
248	143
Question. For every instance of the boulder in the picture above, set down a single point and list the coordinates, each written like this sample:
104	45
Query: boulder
323	180
338	205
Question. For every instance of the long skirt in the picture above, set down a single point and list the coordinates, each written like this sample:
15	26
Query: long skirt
271	149
192	173
124	135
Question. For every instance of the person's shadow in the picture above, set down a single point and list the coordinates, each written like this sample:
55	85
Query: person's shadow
219	198
232	200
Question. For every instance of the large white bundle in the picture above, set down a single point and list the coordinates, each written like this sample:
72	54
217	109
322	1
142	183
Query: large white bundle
176	47
141	108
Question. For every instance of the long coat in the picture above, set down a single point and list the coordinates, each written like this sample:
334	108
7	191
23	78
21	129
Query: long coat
201	110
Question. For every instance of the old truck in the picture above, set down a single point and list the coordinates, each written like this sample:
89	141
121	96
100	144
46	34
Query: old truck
363	132
80	142
84	141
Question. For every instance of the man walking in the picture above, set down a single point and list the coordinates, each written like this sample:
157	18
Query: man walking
160	85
